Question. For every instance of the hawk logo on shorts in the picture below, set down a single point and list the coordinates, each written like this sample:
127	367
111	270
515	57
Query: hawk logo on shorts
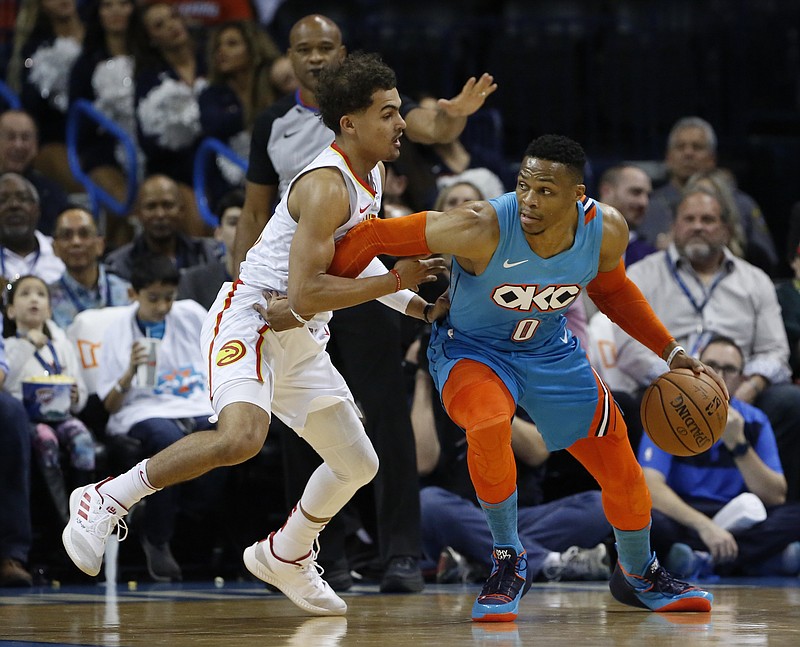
231	352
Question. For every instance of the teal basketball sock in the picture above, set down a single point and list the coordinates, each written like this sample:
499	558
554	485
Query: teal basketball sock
633	548
502	520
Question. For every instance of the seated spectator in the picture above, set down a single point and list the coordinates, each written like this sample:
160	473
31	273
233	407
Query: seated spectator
38	348
240	55
696	529
722	182
85	283
282	77
161	208
18	148
169	76
160	410
691	148
103	76
23	248
788	291
699	289
563	538
628	188
15	472
47	41
202	283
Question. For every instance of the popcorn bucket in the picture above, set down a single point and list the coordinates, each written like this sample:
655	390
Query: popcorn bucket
47	398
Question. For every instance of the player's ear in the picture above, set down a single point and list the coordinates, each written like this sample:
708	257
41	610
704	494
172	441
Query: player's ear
580	191
346	124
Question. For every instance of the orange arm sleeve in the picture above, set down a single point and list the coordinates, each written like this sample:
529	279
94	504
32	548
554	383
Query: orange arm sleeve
619	298
403	236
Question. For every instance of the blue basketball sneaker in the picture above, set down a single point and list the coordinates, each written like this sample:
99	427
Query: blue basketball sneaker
657	590
509	581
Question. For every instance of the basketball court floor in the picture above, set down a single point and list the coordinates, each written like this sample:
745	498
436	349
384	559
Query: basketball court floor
245	614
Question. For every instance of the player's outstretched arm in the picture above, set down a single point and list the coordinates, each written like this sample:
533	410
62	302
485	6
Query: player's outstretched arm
444	124
468	231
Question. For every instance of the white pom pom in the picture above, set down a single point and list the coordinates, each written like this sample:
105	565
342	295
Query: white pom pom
171	114
50	66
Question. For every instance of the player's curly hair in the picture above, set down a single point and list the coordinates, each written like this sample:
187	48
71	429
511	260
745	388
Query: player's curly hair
560	149
348	87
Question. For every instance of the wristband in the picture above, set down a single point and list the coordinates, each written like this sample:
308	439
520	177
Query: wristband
673	353
740	449
298	317
396	276
425	311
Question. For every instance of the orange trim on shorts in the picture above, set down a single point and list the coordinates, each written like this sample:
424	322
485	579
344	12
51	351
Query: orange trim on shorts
226	304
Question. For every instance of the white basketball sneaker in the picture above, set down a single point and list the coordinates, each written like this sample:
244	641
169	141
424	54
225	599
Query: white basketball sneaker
92	518
300	580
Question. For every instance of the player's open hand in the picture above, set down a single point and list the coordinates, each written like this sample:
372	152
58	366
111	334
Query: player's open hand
276	313
416	270
471	98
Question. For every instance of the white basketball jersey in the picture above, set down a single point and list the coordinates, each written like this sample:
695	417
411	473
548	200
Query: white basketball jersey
266	265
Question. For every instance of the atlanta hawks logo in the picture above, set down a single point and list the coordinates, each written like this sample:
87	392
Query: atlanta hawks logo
231	352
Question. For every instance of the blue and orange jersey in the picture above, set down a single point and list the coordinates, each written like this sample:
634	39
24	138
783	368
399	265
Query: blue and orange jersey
518	302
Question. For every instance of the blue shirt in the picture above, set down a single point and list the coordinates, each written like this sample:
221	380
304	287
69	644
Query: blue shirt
713	475
68	297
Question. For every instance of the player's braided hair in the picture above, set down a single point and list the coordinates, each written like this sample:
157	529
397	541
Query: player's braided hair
560	149
348	87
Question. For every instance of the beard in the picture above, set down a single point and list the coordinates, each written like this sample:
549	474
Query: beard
698	251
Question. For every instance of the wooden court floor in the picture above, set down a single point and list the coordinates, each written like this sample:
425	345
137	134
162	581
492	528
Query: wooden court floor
746	612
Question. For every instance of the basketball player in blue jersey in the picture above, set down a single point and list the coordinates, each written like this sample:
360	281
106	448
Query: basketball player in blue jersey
258	366
518	262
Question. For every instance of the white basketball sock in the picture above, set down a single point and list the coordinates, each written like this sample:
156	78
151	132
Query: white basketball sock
130	487
297	536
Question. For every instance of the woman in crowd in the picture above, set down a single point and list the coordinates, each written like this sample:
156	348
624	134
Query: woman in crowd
47	41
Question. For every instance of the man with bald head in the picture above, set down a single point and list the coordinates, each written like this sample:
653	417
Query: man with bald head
19	145
286	137
24	249
627	188
161	211
85	283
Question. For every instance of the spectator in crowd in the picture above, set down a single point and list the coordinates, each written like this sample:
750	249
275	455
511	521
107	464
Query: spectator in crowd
627	187
240	56
724	511
103	76
19	146
691	148
700	289
286	137
161	209
174	401
202	283
24	249
722	182
37	348
47	41
169	75
282	77
788	291
15	473
85	282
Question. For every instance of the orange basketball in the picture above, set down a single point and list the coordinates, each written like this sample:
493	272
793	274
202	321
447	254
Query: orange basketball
683	413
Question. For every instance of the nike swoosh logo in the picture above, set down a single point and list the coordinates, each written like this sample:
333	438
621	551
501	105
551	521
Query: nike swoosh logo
363	210
565	338
508	264
291	134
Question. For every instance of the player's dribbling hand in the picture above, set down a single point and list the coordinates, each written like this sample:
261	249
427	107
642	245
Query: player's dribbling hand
682	360
276	314
416	270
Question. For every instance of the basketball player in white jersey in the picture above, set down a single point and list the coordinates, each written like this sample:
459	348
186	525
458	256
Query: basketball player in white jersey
257	367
